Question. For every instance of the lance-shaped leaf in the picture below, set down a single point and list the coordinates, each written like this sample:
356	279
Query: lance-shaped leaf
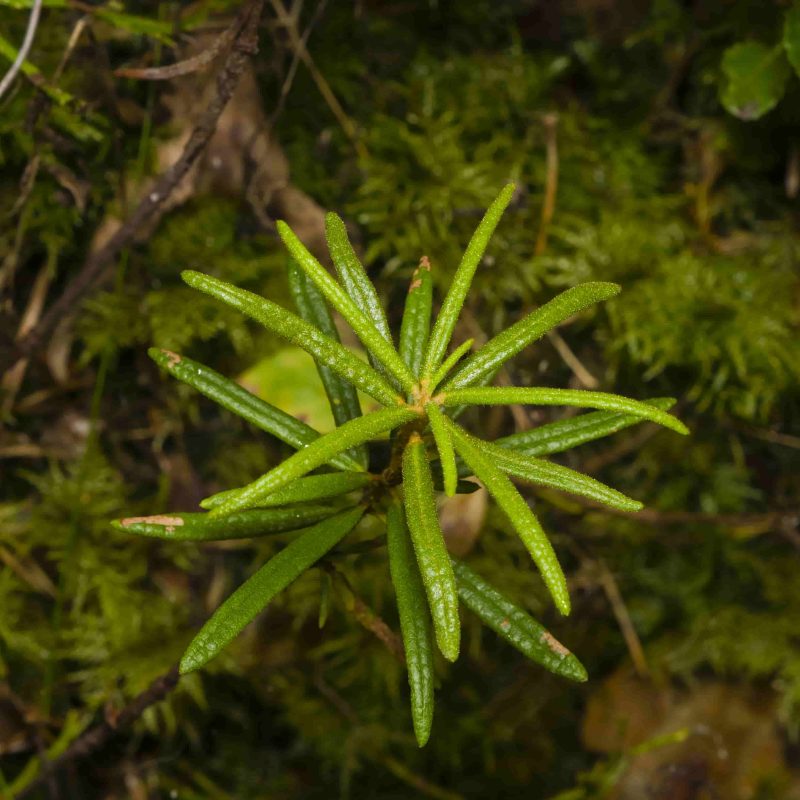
564	434
483	364
415	623
416	323
299	332
497	395
352	274
342	395
303	490
453	302
444	444
515	625
363	326
518	513
432	558
356	283
256	592
450	362
240	525
352	433
239	401
545	473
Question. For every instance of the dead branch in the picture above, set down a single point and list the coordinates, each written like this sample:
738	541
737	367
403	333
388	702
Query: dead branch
367	618
91	741
296	43
244	45
188	65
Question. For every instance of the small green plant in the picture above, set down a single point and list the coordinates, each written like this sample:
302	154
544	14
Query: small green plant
422	390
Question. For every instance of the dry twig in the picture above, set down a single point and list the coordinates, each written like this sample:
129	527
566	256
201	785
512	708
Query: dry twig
368	619
296	42
91	741
149	207
187	66
623	617
550	122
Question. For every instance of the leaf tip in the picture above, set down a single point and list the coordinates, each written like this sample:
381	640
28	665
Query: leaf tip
450	650
563	604
191	277
679	427
189	663
422	735
573	669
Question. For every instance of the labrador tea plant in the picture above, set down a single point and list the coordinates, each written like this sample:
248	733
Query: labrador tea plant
423	390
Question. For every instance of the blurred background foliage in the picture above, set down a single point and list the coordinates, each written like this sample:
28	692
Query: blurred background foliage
667	182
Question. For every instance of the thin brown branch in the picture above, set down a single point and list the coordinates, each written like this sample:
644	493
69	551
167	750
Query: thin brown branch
87	279
783	522
773	437
623	617
187	66
630	444
296	59
550	122
572	361
289	23
91	741
368	619
424	787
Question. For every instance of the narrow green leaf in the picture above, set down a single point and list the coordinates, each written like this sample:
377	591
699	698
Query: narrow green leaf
483	364
416	323
314	455
496	395
303	490
239	401
357	284
754	77
791	36
451	308
353	275
342	396
324	600
545	473
444	444
429	546
518	513
363	326
450	362
299	332
255	593
415	623
241	525
515	625
137	25
564	434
